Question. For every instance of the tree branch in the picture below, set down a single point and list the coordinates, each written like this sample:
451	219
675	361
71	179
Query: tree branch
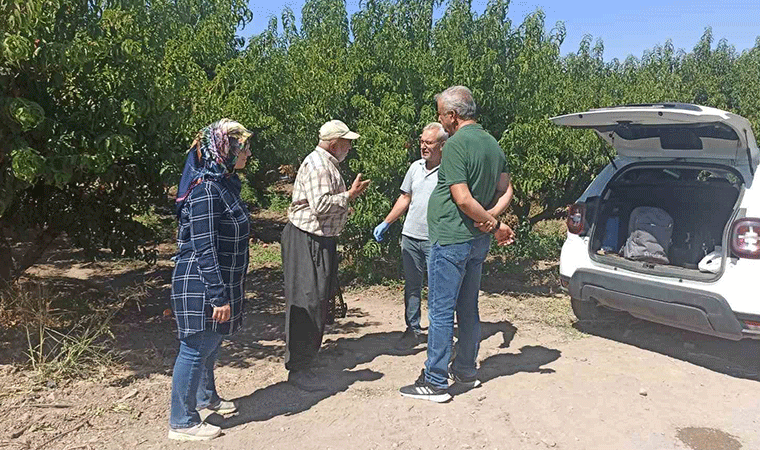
550	213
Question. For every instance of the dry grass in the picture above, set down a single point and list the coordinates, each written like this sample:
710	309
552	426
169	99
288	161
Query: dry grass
61	343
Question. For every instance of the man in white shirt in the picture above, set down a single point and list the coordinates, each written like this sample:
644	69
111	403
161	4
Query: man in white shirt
419	182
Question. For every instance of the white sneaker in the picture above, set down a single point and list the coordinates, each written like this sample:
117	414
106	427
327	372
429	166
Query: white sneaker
201	432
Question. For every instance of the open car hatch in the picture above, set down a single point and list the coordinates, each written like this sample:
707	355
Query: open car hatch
670	130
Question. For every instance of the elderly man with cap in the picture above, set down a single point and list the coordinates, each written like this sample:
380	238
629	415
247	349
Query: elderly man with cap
316	217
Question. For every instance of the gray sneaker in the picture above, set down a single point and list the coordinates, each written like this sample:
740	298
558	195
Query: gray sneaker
470	382
223	408
201	432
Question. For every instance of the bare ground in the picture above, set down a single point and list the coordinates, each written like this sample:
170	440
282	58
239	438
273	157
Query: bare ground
548	382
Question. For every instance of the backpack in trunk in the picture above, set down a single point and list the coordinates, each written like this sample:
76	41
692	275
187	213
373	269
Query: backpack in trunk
650	230
688	248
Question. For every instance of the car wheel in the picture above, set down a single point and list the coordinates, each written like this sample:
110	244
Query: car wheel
590	311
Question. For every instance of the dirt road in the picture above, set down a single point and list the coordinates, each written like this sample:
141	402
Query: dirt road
547	383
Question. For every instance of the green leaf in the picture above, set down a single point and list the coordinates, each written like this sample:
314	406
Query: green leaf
26	113
16	49
27	163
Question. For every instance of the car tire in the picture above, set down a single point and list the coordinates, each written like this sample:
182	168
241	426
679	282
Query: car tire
590	311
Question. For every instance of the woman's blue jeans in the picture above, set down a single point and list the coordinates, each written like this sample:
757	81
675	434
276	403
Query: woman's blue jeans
453	284
193	384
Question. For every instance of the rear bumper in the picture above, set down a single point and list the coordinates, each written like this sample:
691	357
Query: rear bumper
690	309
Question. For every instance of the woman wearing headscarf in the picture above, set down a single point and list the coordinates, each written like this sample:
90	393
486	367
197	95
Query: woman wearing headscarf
209	275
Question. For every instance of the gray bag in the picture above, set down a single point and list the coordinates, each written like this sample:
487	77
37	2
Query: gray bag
650	231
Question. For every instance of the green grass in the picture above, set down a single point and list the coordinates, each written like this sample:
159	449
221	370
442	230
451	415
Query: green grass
278	201
265	255
164	226
553	227
543	241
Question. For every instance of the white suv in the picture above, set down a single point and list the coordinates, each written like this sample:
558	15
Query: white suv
698	164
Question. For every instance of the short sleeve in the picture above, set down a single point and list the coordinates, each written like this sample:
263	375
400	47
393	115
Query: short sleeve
406	185
453	165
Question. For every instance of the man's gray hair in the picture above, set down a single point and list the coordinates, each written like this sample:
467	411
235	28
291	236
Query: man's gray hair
442	134
458	99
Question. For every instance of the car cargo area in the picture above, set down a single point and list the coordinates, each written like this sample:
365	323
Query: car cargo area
700	200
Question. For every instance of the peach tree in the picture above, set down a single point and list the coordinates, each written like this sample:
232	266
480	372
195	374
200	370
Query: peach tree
96	99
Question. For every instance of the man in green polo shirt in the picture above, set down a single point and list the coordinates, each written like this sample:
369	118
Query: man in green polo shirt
473	189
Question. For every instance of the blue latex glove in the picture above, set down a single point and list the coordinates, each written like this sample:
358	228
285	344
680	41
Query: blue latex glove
379	230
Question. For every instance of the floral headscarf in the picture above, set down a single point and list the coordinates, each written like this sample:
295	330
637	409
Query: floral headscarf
213	155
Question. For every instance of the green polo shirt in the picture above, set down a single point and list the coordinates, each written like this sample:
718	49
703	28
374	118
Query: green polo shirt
474	157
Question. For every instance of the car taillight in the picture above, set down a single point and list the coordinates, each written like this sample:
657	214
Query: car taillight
751	325
575	218
745	238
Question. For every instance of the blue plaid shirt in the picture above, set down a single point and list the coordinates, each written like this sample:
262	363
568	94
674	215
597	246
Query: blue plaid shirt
212	258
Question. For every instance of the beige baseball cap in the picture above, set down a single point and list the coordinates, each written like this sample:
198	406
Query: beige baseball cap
335	129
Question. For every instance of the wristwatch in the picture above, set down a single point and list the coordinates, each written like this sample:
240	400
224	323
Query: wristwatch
495	227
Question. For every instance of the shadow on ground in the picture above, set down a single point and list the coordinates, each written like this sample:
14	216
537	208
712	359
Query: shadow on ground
740	359
530	359
146	340
339	359
137	297
267	226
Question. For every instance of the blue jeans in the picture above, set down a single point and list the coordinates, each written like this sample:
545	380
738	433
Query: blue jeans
415	254
193	384
453	283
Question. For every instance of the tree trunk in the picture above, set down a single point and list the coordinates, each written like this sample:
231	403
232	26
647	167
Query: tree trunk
41	243
521	210
6	260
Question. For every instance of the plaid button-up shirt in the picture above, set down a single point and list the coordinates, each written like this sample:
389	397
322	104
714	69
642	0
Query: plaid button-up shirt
320	200
212	259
